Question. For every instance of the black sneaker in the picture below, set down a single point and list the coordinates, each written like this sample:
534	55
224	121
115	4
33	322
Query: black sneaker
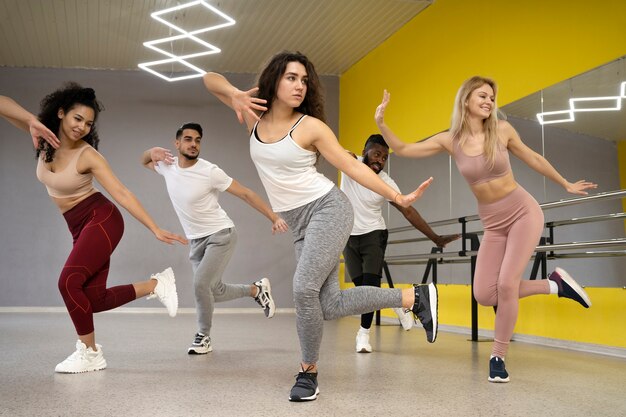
425	309
569	288
201	345
305	388
497	371
264	297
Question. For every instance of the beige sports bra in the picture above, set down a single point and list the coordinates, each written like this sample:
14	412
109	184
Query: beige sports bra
67	182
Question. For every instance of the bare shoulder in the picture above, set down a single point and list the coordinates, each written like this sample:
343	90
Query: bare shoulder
89	159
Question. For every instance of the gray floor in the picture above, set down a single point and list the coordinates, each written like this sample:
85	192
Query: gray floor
254	362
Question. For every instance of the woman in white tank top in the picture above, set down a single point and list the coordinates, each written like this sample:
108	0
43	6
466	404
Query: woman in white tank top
285	119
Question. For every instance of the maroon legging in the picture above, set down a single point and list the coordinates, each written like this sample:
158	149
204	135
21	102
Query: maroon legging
513	226
97	227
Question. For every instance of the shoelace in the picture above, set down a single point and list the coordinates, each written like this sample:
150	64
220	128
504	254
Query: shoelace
305	378
198	339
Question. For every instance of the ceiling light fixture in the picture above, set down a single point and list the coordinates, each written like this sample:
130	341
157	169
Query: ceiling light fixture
184	34
577	105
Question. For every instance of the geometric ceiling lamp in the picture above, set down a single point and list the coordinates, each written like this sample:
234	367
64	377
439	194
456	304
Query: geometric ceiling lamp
183	34
584	104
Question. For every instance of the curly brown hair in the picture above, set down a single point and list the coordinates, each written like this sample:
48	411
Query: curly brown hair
66	98
313	104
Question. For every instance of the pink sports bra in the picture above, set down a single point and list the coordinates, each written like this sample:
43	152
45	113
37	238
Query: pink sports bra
475	168
67	182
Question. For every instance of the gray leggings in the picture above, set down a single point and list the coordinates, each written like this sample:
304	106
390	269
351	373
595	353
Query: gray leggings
209	256
321	230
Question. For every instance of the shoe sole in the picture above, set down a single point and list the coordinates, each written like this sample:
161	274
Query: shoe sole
363	350
194	351
93	369
303	399
498	379
434	300
574	285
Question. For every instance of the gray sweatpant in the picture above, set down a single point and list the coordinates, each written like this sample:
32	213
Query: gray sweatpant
209	256
321	230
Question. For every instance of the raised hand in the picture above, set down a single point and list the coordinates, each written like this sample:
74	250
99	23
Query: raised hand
579	187
161	154
407	200
245	102
379	116
38	130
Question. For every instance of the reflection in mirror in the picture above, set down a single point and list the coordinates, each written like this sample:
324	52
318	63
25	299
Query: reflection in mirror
583	148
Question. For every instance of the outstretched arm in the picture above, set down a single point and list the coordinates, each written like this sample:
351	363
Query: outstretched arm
124	197
253	199
23	119
154	155
420	224
325	141
421	149
246	106
538	162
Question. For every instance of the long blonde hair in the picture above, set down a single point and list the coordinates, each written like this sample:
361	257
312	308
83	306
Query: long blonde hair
459	127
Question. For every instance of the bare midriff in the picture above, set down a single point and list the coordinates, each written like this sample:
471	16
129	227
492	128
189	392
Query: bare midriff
494	190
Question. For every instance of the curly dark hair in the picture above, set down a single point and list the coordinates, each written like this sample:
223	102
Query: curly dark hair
66	98
313	104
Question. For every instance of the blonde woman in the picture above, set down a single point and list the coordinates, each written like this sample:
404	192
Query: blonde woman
512	219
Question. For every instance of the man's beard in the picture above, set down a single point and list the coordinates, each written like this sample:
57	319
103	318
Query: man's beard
190	157
366	161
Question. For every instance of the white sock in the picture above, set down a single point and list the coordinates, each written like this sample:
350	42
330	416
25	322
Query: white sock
493	356
554	289
363	330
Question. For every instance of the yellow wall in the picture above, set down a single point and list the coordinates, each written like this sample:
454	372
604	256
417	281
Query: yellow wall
526	45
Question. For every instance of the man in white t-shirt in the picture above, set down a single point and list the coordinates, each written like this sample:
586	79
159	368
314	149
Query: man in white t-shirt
193	185
365	251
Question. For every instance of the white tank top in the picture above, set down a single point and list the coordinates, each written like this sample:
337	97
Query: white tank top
287	171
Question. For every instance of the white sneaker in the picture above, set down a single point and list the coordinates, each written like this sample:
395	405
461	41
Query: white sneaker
264	297
363	342
406	318
165	290
82	360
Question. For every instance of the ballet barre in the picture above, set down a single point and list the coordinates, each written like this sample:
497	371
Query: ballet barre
546	249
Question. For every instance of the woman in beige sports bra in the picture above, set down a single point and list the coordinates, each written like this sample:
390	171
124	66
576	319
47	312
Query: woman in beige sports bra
67	163
512	219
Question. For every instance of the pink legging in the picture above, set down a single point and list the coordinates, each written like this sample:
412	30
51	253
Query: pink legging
513	226
97	227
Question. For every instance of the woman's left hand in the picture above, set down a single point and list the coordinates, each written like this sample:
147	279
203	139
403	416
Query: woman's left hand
579	187
407	200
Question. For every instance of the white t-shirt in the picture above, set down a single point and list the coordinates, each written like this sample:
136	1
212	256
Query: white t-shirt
194	192
366	203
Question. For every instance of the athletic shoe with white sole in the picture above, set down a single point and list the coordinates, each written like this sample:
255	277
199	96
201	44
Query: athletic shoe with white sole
305	388
264	297
497	370
84	359
568	288
201	345
406	318
165	290
363	342
425	308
